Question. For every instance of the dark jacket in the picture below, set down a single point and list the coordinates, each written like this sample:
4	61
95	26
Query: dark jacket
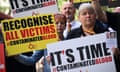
98	28
114	23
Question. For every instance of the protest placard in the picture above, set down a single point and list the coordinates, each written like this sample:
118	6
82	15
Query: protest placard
28	33
22	8
86	54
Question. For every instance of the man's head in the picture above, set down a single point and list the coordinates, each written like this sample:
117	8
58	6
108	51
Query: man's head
60	21
87	15
68	10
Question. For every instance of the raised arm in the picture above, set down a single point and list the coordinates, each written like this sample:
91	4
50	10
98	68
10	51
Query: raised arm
101	15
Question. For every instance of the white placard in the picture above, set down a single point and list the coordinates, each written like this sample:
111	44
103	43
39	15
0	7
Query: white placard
86	54
111	40
21	8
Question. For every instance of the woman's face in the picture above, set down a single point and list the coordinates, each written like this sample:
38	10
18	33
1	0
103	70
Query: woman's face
60	24
87	17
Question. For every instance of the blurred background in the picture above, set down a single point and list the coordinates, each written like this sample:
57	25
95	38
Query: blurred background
4	6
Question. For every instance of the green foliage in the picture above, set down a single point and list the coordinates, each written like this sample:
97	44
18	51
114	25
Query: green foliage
60	3
4	6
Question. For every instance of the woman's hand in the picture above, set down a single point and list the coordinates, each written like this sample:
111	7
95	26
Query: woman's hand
116	51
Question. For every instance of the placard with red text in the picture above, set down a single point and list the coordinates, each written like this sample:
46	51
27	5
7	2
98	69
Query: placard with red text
85	54
28	33
22	8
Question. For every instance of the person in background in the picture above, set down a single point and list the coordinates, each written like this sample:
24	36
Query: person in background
110	18
113	21
60	21
69	11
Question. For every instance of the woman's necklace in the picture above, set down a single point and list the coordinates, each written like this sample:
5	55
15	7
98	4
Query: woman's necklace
89	32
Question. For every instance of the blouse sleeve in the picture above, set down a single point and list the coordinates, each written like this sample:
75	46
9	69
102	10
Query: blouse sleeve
30	60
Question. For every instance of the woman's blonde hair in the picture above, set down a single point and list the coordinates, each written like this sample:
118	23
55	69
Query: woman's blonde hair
85	6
